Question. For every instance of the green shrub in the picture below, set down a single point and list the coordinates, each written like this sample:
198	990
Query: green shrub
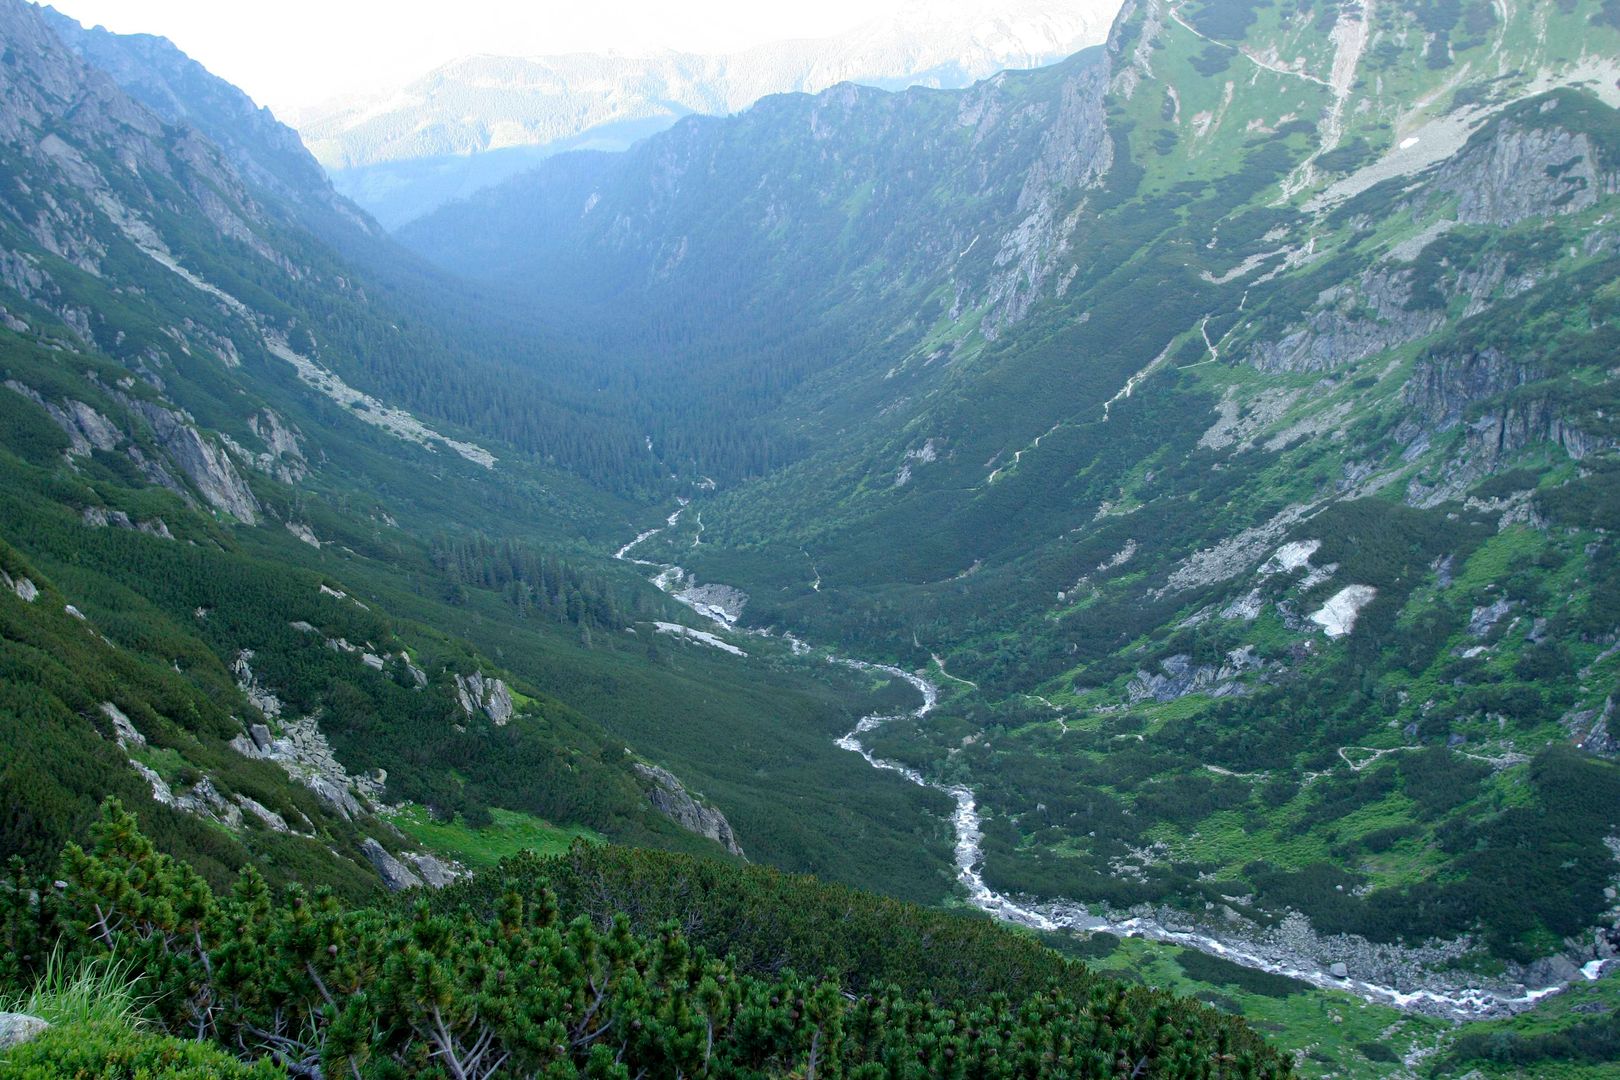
108	1050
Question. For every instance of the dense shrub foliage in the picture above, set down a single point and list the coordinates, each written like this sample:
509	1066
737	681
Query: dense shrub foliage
495	980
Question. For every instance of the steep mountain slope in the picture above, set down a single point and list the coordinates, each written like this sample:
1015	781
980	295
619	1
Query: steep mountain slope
482	119
1236	417
285	618
265	153
772	247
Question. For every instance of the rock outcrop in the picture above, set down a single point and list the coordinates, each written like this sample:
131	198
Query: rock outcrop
395	874
1527	421
1591	730
434	873
1075	154
1349	323
485	693
207	466
670	798
262	699
284	451
1178	677
85	428
26	590
204	800
99	517
123	728
411	870
308	758
1525	172
1442	388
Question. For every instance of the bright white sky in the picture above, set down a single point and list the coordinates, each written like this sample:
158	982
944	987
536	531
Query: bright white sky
290	54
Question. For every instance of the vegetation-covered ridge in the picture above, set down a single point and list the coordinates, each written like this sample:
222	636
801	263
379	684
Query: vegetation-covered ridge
504	979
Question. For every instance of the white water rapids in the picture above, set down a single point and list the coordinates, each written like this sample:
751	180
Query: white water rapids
1062	914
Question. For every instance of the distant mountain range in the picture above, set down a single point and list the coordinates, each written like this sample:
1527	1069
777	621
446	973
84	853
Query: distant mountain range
474	122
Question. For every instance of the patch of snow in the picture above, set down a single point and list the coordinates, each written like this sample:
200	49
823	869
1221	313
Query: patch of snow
700	636
1292	556
1338	616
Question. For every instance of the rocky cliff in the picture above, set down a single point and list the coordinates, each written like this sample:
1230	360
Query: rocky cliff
670	798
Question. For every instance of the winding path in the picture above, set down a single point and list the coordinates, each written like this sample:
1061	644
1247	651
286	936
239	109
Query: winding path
1261	64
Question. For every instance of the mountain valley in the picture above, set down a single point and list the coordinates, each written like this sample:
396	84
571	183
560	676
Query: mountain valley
1164	501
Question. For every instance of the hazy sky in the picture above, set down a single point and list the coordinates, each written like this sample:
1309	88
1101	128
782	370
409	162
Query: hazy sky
293	53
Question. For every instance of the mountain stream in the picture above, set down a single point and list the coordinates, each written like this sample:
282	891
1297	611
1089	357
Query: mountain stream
1458	1002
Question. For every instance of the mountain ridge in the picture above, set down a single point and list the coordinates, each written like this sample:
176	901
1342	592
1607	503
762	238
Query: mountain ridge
479	120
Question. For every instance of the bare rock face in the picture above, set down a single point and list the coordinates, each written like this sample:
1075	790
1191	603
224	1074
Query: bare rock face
1443	387
479	692
261	698
99	517
1349	323
670	798
18	1028
1075	154
1525	172
123	728
1536	419
1591	731
203	800
266	816
26	590
207	466
284	453
436	874
1178	677
302	750
85	428
394	873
